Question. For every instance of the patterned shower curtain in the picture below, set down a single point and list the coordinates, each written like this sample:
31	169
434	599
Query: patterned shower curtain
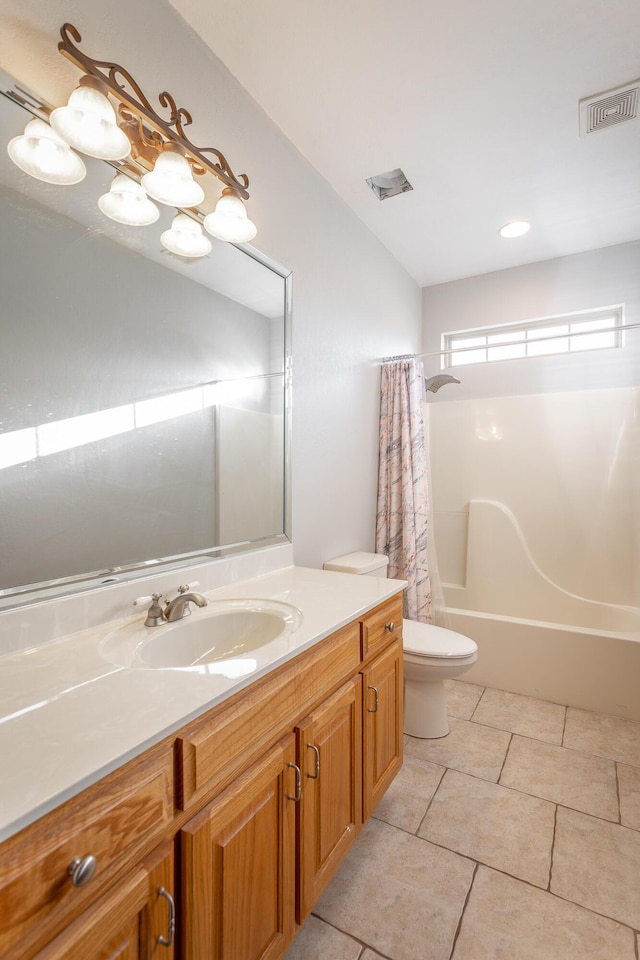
402	515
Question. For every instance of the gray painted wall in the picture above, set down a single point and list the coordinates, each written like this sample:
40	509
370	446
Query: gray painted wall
352	301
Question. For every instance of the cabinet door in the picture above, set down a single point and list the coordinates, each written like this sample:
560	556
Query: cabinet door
329	749
238	867
128	923
382	720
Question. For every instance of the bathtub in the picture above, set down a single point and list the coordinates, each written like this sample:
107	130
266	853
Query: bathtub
535	638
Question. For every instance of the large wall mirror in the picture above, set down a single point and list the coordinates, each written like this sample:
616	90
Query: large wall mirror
144	398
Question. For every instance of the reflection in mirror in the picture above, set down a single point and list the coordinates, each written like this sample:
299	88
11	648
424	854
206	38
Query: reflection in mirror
143	405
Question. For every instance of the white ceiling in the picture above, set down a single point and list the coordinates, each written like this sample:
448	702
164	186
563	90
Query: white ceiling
476	101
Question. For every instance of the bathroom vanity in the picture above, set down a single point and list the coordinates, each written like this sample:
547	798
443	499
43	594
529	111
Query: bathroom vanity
216	840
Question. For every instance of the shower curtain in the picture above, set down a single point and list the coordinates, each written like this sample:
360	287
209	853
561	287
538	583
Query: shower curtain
403	513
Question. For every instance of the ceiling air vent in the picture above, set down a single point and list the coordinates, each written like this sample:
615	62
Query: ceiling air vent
611	107
389	184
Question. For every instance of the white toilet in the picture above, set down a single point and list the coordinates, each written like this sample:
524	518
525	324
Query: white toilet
431	656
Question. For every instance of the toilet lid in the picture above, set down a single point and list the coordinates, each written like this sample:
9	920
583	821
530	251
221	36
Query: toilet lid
427	640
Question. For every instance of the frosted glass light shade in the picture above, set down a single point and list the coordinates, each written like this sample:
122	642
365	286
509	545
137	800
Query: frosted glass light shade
126	202
185	238
41	153
229	221
88	123
171	180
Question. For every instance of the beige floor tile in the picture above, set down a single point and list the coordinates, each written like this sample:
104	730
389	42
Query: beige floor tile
604	736
318	941
506	919
629	785
500	827
370	955
597	864
574	779
469	747
462	698
400	895
524	715
405	802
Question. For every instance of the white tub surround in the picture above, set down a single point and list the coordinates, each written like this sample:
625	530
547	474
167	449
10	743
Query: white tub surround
594	670
535	637
502	577
68	717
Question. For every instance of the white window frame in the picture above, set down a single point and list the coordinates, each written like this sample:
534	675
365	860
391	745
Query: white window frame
529	336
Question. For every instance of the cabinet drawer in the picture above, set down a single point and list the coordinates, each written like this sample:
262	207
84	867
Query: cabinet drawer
212	753
113	821
381	625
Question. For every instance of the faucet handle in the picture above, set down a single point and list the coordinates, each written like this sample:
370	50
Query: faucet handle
155	615
185	587
140	601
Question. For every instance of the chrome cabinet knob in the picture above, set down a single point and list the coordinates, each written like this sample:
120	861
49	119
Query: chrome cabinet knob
390	626
81	870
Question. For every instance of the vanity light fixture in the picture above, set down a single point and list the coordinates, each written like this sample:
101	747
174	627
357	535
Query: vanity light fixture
88	122
171	180
151	137
515	228
229	220
156	147
41	153
185	238
127	202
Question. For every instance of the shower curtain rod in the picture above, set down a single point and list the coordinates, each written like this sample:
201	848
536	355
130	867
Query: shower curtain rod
511	343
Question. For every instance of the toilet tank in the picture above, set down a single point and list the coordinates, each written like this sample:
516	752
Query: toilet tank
364	564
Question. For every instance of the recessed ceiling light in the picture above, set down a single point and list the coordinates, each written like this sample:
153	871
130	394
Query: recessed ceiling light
515	228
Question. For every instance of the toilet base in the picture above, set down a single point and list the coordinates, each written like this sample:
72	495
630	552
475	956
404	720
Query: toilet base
425	709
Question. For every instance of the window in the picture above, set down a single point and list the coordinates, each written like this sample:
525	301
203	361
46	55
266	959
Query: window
572	333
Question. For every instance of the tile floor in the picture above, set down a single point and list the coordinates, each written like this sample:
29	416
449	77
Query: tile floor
517	837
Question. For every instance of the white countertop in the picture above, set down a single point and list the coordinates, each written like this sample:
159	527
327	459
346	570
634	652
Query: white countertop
68	717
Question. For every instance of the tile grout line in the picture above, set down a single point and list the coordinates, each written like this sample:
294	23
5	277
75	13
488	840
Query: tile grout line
363	945
560	746
553	847
564	726
519	790
528	883
504	759
478	702
462	912
522	792
433	796
618	792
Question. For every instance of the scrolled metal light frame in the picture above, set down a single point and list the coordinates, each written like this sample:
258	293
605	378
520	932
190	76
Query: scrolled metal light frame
145	128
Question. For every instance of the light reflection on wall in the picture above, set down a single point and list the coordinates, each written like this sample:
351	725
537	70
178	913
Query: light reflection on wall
21	446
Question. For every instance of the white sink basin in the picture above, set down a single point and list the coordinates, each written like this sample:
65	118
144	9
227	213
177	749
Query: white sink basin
218	638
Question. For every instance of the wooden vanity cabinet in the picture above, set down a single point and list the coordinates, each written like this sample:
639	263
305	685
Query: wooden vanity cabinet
238	865
382	724
329	815
133	921
118	821
241	818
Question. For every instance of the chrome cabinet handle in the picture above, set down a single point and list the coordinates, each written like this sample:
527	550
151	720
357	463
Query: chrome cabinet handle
171	928
298	794
375	690
314	776
390	626
81	870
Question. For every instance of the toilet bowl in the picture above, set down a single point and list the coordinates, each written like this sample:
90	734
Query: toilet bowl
431	656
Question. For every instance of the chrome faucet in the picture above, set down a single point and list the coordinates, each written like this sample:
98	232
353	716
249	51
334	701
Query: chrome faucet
178	608
175	609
